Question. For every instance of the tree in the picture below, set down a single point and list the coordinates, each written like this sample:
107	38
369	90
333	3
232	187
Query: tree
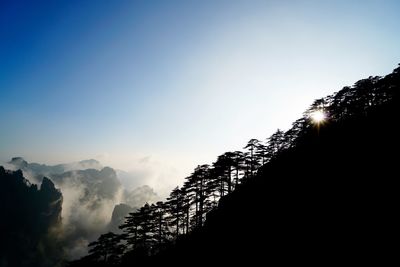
196	186
253	159
138	229
200	175
106	249
186	204
145	230
160	226
261	153
238	164
223	168
130	228
275	143
174	206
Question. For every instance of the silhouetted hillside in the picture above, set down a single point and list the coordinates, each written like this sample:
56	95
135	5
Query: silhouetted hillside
30	221
331	198
322	192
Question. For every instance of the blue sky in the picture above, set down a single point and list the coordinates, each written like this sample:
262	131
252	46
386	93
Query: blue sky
173	84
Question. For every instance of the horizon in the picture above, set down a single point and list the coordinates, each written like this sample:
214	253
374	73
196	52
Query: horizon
158	88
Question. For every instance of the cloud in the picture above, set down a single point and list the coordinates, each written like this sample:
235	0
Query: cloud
145	160
149	171
90	193
89	199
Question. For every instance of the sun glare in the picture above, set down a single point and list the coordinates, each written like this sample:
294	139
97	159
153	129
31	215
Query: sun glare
318	116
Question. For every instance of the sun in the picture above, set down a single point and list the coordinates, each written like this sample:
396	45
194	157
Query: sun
318	116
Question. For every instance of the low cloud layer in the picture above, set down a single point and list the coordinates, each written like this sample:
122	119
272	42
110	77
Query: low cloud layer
152	172
90	193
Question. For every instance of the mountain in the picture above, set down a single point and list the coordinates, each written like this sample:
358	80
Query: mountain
37	171
31	219
102	184
323	192
118	216
90	192
329	198
133	200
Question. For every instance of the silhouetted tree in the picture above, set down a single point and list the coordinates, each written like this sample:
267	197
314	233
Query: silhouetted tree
238	164
186	205
174	206
107	249
138	229
275	143
160	226
223	168
130	228
253	159
261	153
145	229
199	179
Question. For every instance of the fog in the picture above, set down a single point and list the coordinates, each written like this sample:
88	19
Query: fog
90	193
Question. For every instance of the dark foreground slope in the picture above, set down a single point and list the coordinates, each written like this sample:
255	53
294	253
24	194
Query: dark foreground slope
326	192
332	198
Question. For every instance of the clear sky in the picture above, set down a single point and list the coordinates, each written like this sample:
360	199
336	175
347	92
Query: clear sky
161	86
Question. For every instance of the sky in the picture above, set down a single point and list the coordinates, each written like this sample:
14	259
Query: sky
158	87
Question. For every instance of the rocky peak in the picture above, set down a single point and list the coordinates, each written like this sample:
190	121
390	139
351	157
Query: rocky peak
19	162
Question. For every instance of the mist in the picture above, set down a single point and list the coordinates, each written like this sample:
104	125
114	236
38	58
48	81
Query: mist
90	193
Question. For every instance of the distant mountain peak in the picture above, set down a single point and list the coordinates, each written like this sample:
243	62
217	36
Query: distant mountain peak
89	161
19	162
108	171
17	159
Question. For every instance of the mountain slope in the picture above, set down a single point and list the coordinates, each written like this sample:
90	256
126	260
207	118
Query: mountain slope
332	198
322	192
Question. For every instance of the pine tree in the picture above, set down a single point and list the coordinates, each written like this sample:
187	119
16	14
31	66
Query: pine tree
253	160
107	249
174	206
